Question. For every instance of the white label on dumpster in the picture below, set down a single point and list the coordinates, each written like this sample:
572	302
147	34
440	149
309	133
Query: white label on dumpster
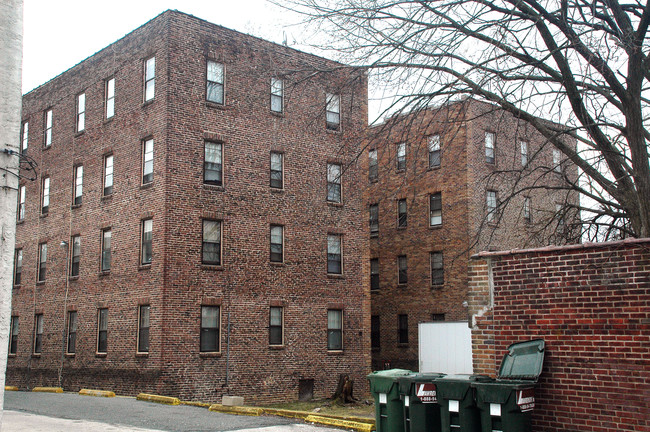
407	401
382	398
426	392
453	406
495	410
526	399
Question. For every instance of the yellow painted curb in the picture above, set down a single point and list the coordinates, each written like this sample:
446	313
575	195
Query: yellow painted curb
239	410
98	393
287	413
48	389
11	388
196	404
347	424
167	400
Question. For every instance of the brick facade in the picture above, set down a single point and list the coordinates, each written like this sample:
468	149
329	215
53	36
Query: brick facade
591	304
463	178
176	284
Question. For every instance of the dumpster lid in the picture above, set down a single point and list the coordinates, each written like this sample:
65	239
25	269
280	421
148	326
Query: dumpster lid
523	361
383	381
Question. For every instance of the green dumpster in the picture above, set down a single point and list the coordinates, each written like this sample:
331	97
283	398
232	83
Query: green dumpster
458	411
419	398
506	404
384	386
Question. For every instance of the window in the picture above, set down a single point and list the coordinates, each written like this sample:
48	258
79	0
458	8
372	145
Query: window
275	325
75	255
527	216
401	213
434	151
277	243
334	330
437	317
491	206
42	262
108	175
374	219
149	78
333	183
211	250
71	346
402	270
147	161
81	112
38	333
401	156
45	203
102	331
143	328
105	264
13	335
277	175
210	317
215	81
110	98
277	91
437	268
374	274
334	261
24	138
435	209
21	202
373	165
374	332
212	164
489	147
147	237
403	329
523	145
18	266
78	185
47	138
559	216
333	111
556	161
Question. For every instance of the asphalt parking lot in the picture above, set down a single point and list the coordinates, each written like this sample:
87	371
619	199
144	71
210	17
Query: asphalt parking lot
27	411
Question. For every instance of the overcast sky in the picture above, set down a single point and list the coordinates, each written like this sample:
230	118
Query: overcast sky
60	33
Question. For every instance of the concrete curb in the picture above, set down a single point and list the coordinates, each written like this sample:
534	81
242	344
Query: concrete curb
239	410
48	389
167	400
197	404
347	424
11	388
98	393
304	414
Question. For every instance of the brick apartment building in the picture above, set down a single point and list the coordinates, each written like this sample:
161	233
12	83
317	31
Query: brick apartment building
196	225
439	188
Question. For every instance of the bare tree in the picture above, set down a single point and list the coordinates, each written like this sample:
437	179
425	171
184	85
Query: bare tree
582	64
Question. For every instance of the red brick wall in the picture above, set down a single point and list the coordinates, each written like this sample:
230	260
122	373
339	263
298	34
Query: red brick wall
591	304
176	284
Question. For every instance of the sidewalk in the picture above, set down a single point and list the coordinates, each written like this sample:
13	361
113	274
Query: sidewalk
15	421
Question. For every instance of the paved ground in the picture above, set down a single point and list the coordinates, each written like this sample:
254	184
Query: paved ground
68	412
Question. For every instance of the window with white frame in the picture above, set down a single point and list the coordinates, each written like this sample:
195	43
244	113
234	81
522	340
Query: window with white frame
47	137
108	175
24	142
557	161
210	319
491	206
523	147
21	202
18	266
143	328
212	164
102	331
277	243
527	215
81	112
276	324
75	255
42	262
334	330
45	196
149	78
215	82
374	274
38	333
333	183
402	270
435	209
490	155
211	247
110	98
437	268
13	336
78	185
401	213
374	219
334	254
373	165
333	111
147	161
146	242
71	339
277	170
277	94
434	150
105	264
401	156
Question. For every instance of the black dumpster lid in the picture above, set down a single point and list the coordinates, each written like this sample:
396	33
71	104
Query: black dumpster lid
523	361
